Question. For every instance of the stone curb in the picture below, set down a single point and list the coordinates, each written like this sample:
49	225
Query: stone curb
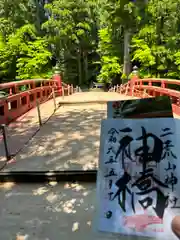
82	102
47	176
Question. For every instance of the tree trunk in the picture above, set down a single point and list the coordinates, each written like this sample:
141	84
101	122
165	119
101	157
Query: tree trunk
38	21
85	67
126	67
79	68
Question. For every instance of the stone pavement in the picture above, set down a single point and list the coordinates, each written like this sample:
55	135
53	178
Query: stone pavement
50	212
70	138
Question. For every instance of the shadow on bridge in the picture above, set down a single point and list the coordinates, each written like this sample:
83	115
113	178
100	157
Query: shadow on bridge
23	129
68	141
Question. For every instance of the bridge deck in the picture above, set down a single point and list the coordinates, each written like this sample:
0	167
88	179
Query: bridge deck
55	211
69	140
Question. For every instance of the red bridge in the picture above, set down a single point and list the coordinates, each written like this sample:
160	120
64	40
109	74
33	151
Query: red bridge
71	136
152	87
17	102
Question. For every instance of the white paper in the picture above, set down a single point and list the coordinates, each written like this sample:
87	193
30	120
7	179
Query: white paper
130	218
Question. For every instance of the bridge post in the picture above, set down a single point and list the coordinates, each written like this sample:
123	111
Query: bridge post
54	99
62	92
72	89
58	79
133	80
68	89
163	85
39	112
8	156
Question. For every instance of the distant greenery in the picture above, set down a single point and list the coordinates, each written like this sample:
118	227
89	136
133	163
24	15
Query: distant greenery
86	39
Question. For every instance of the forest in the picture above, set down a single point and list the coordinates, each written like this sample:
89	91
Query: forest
89	40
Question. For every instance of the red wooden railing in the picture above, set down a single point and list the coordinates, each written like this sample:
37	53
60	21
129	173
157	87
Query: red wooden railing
17	102
152	87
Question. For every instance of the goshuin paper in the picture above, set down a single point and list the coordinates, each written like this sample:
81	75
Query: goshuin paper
138	183
140	108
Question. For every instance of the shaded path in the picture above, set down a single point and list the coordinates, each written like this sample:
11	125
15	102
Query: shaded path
21	130
70	139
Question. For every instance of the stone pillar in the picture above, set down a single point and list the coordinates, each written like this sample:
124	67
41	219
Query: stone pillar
57	78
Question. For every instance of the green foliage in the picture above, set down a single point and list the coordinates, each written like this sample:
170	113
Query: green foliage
35	58
72	32
26	51
109	56
155	45
143	53
110	68
87	37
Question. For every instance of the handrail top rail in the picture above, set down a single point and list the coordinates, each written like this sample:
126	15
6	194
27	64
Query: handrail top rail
29	91
4	98
158	80
23	82
172	92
